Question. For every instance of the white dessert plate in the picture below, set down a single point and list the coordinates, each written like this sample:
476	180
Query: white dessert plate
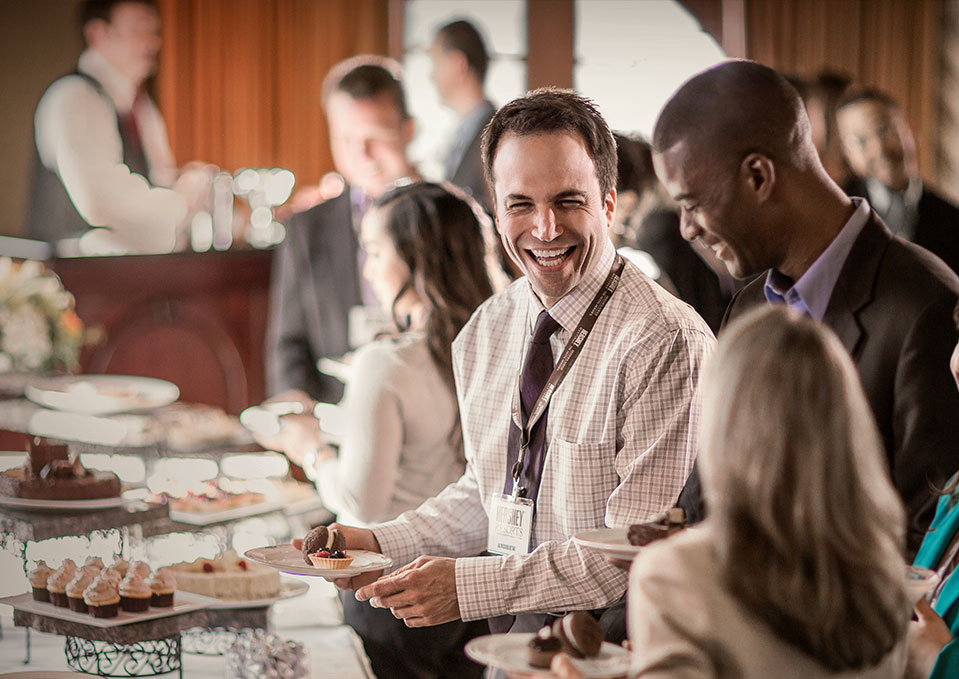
231	514
32	505
920	581
610	541
102	394
289	588
183	602
288	559
510	652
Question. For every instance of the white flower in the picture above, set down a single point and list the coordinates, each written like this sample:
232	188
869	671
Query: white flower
25	336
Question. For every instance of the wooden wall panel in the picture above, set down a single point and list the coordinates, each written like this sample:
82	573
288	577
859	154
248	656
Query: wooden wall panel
894	45
239	80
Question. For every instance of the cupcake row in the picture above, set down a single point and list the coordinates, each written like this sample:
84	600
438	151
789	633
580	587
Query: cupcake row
102	591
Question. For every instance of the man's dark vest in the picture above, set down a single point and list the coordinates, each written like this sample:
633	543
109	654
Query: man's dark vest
51	214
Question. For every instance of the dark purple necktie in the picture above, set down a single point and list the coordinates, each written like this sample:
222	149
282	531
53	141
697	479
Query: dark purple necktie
537	368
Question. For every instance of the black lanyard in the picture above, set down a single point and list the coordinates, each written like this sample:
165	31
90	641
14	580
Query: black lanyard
570	353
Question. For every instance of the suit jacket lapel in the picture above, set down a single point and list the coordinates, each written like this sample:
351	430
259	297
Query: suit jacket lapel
854	288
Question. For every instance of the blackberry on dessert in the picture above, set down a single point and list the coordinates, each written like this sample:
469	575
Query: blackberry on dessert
659	527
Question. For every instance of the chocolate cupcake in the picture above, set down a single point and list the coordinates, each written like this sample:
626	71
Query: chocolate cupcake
162	585
139	569
38	581
93	562
542	648
102	599
580	634
84	577
121	567
134	594
58	581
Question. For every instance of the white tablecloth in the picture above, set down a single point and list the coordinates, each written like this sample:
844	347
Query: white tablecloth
314	620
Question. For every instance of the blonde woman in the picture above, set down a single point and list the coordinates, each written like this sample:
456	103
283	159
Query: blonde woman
797	571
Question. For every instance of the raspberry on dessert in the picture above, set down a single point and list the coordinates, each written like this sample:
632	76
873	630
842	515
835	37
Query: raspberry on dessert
242	565
208	567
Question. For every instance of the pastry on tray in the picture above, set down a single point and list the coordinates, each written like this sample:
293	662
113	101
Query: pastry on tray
58	581
134	594
52	474
38	581
102	598
162	586
227	577
83	578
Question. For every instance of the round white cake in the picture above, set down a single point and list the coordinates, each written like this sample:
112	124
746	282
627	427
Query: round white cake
227	577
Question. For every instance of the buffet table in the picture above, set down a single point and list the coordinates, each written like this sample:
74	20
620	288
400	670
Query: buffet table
314	620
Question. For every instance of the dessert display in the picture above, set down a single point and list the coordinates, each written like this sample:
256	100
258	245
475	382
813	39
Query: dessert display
227	577
38	581
325	548
577	634
83	579
206	500
162	585
51	474
134	593
138	568
102	598
542	648
661	526
58	581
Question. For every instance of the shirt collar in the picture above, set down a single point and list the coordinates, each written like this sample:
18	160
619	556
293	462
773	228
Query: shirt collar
814	288
570	309
121	90
880	196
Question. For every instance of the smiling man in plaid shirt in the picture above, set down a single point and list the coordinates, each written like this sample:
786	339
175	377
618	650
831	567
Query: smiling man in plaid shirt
617	438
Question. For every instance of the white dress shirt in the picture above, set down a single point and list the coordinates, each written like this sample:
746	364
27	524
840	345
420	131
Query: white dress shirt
400	414
77	137
620	442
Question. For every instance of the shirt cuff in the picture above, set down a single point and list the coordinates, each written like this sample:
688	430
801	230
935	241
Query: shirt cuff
477	587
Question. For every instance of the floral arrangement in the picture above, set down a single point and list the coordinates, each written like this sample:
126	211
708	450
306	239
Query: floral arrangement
39	330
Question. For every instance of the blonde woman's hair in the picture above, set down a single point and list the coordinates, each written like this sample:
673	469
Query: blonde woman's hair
809	529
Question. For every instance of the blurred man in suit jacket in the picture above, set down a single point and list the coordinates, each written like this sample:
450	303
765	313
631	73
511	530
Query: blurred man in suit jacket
316	273
460	61
882	151
750	185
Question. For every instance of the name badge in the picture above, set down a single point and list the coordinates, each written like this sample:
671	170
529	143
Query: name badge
510	525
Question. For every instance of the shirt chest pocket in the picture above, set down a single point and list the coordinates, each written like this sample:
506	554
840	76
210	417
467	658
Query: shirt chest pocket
577	481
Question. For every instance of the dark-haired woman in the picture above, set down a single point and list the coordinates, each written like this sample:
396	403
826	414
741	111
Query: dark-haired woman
426	260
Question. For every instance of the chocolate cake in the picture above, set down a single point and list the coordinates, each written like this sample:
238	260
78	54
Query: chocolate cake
659	527
51	474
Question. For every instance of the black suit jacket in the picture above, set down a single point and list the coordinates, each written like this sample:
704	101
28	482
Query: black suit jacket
937	225
892	310
315	282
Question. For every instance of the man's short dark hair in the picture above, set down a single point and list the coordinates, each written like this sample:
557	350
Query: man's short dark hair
634	163
90	10
871	94
462	36
550	110
366	77
734	109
